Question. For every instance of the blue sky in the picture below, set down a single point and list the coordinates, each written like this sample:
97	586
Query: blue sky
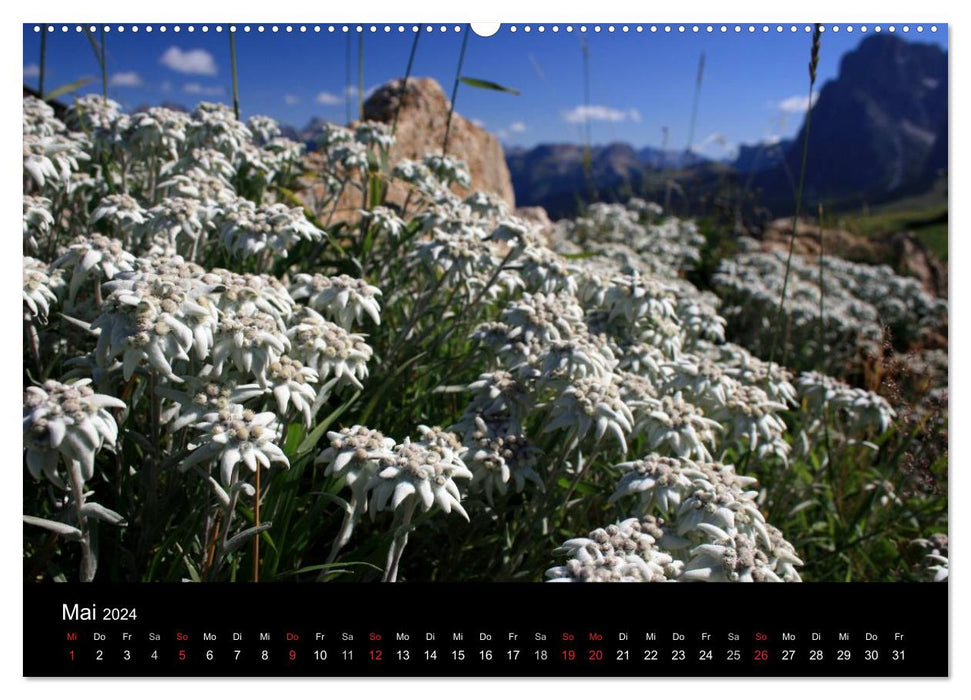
755	84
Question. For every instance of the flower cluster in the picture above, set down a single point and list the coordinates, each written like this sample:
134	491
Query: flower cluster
859	302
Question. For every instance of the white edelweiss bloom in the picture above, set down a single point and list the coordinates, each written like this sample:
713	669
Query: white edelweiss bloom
752	419
68	421
208	160
624	552
291	384
729	558
215	126
355	454
263	128
332	351
281	155
252	342
384	222
498	453
94	255
249	228
237	435
634	298
244	294
659	482
448	170
158	131
50	160
542	270
90	113
180	217
343	298
348	156
374	134
935	563
40	283
332	135
200	396
121	212
38	222
487	205
39	118
858	412
673	425
416	174
591	404
466	261
544	316
421	474
141	322
196	183
502	393
574	359
701	380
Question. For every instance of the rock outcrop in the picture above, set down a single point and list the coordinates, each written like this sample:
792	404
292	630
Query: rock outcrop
421	130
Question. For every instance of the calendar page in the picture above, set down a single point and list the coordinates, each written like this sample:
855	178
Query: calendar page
398	349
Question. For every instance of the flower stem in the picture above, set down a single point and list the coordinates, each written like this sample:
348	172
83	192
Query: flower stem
88	563
400	541
256	522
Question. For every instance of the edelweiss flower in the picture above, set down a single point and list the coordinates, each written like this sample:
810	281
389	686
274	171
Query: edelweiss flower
249	228
236	434
355	454
122	213
622	552
343	298
94	254
50	160
252	342
419	473
66	420
290	382
38	222
587	404
39	286
384	222
329	349
200	396
498	453
674	425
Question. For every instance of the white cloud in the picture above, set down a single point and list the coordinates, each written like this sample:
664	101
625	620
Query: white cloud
166	86
291	100
199	89
599	113
517	127
193	61
716	146
126	79
351	90
32	71
479	123
796	104
328	98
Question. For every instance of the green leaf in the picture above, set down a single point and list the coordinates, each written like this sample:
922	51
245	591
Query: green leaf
487	85
94	46
65	89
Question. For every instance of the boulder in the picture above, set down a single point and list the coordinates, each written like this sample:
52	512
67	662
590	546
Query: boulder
421	130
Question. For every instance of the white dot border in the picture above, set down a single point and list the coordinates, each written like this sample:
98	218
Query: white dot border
684	29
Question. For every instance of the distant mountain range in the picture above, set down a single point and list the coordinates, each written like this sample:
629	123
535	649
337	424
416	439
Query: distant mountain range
878	131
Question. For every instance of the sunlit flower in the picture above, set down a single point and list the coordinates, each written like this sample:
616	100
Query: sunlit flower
68	421
237	435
